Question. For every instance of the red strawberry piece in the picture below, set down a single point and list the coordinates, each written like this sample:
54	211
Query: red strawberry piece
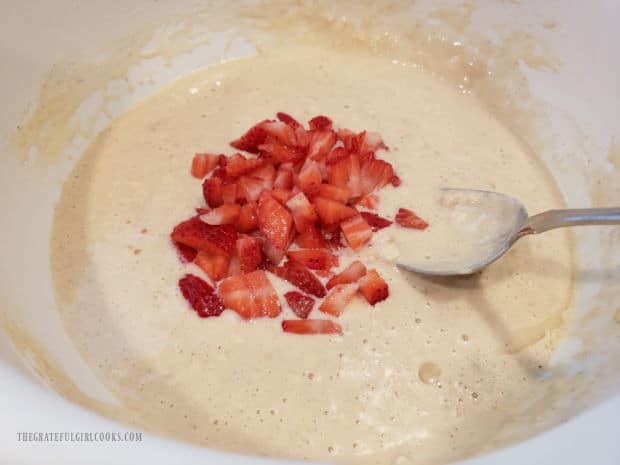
264	294
247	220
321	143
375	221
250	141
332	212
309	178
337	154
338	298
311	327
350	274
229	193
371	142
311	238
331	233
351	140
216	240
303	138
249	188
395	181
301	304
276	224
237	165
408	219
236	295
303	211
319	123
373	287
371	201
356	231
284	178
186	253
212	192
337	193
249	253
315	259
346	172
288	119
267	173
375	174
234	266
201	296
281	195
326	274
203	163
281	131
279	152
226	214
214	266
300	276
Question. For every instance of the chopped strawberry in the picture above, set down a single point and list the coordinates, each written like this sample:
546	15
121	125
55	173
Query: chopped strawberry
309	178
301	304
276	224
337	193
284	178
249	188
300	276
395	181
212	192
303	138
237	165
371	201
247	220
350	274
229	193
234	267
373	287
303	211
216	240
375	174
356	231
337	154
281	195
249	253
201	296
278	151
408	219
226	214
346	172
371	142
281	131
331	233
332	212
214	266
186	253
315	259
375	221
267	173
319	123
203	163
311	327
325	274
264	294
321	143
338	298
250	141
311	238
288	119
236	294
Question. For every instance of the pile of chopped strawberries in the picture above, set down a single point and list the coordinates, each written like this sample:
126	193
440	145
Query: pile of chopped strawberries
303	194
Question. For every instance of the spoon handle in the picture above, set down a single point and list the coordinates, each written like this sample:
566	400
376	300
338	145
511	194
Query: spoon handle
552	219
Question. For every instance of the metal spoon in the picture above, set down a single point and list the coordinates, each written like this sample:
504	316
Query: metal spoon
514	223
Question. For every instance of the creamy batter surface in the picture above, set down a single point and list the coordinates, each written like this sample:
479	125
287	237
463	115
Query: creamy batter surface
426	376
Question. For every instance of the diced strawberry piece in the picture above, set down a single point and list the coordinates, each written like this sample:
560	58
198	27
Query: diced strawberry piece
237	165
337	193
201	296
284	178
226	214
267	173
331	233
395	181
319	123
281	195
249	188
337	154
311	238
373	287
247	220
303	211
371	201
311	327
338	298
408	219
332	212
300	276
250	141
214	266
356	231
223	176
203	163
212	192
216	240
276	224
321	144
371	142
301	304
281	131
309	178
186	253
288	119
229	193
351	140
236	294
303	138
249	253
279	152
234	266
326	274
264	294
350	274
315	259
375	221
346	172
375	174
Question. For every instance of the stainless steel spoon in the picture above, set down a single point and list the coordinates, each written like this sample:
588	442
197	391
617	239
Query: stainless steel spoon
515	223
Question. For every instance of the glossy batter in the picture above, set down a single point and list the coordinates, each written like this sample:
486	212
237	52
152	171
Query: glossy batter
427	376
